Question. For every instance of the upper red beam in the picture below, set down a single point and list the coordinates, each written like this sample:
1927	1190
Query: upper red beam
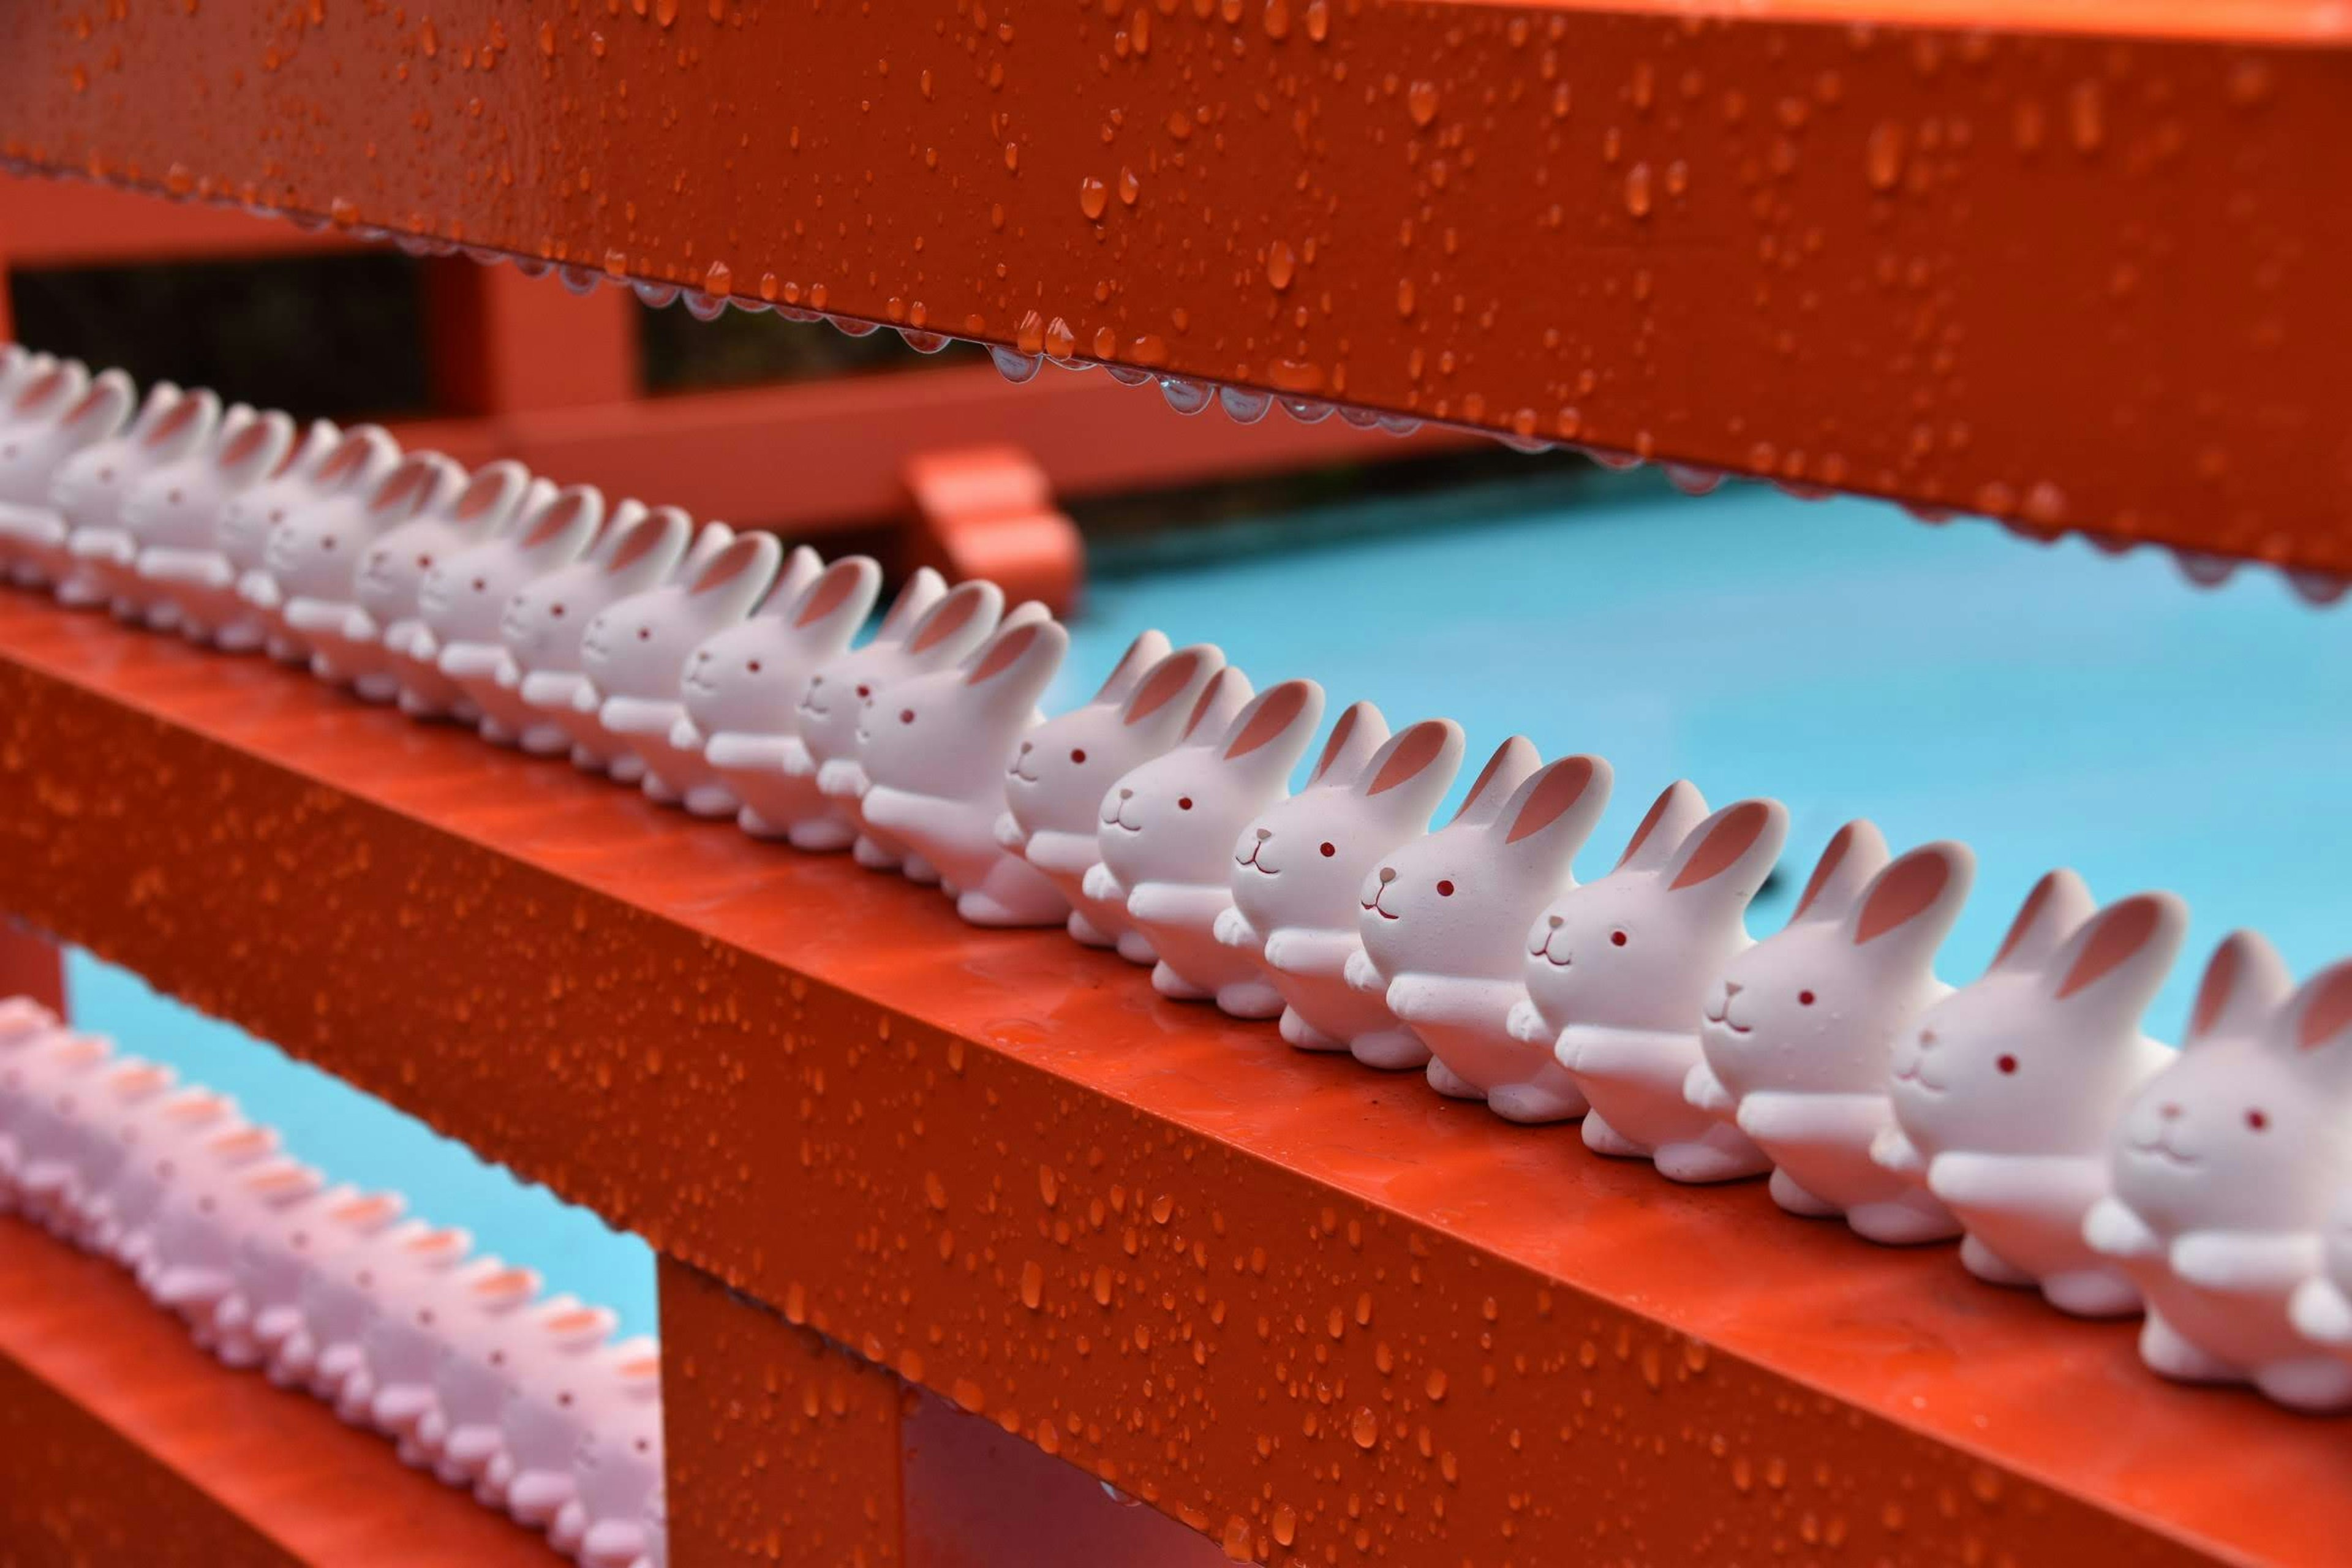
2083	278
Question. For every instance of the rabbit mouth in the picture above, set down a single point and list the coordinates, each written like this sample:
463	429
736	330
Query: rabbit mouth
1723	1021
1256	864
1118	819
694	682
1557	960
1916	1076
1376	908
1014	771
813	711
2159	1147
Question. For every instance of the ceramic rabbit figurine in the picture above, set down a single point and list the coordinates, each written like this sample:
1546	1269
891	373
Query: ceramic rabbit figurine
345	1294
1298	869
741	686
1166	835
543	622
170	520
100	560
1799	1031
933	749
275	1260
943	635
401	1346
617	1473
391	580
563	1388
55	413
1055	780
2225	1169
473	1376
195	1129
460	603
824	723
346	479
315	559
635	654
213	577
70	1145
2005	1093
1442	916
38	1067
198	1227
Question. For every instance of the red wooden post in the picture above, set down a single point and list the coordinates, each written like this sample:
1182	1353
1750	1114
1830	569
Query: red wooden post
31	965
505	343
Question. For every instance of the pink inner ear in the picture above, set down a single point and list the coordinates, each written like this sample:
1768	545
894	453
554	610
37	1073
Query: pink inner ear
1420	748
732	562
1340	734
1208	697
248	441
2027	916
945	621
182	413
1721	849
558	518
1161	686
350	456
1903	893
2214	990
832	591
2117	935
92	402
1004	652
639	539
43	388
1831	858
2330	1010
1562	785
1642	833
480	496
400	488
1274	715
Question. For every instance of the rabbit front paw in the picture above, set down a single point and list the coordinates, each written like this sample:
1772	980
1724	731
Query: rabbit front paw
1891	1151
1363	974
1233	930
2112	1229
1101	886
1009	837
1526	1025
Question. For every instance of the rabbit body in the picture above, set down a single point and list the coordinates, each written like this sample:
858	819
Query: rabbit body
90	488
465	593
171	518
391	580
206	568
313	563
57	409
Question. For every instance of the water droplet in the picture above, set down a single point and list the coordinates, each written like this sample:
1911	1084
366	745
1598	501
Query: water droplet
1398	424
1244	405
1094	197
1127	375
666	11
1185	396
1882	156
1285	1524
1306	410
1365	1428
1281	265
1130	187
657	296
923	343
705	307
1421	102
1014	365
1637	190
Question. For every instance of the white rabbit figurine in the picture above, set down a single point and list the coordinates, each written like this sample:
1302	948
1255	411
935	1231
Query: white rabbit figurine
40	1066
1298	869
70	1145
314	561
1166	833
56	412
195	1128
172	516
635	654
2006	1092
100	560
350	476
561	1389
403	1348
743	682
470	1375
1053	783
943	633
392	579
211	571
2225	1169
1441	918
343	1297
275	1260
203	1218
616	1475
463	596
543	622
933	748
1800	1030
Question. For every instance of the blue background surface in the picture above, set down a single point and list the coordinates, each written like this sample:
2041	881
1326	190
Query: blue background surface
2051	706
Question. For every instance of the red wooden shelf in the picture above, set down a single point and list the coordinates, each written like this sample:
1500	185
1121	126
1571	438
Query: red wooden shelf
1299	1305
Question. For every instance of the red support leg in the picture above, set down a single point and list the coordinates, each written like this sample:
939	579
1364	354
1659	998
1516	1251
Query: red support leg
505	343
31	965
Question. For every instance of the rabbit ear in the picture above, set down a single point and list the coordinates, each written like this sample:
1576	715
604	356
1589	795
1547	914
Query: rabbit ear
579	1329
1221	702
561	529
2316	1025
959	623
1855	853
363	455
802	567
726	588
1266	739
47	393
423	482
1410	775
1013	672
708	540
1664	828
2245	982
1513	761
183	428
1729	854
1166	694
1141	654
916	597
827	614
491	497
257	448
510	1286
318	442
1553	810
1907	910
2113	964
645	549
102	409
1358	733
2056	907
154	410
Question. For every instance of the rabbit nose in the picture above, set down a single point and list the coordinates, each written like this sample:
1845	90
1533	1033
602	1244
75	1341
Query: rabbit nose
1388	875
1554	921
1126	795
1027	747
2169	1111
1264	834
1730	988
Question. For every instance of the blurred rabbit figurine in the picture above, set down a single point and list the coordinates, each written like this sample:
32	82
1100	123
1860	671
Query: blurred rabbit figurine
470	1377
19	364
275	1259
635	654
945	633
402	1347
351	475
55	413
91	487
69	1148
392	581
313	563
344	1295
742	684
616	1474
934	749
1055	780
2321	1307
561	1389
223	575
2006	1092
1621	968
543	622
1167	831
2225	1170
462	599
1299	868
198	1227
1800	1033
172	520
38	1066
196	1132
1441	917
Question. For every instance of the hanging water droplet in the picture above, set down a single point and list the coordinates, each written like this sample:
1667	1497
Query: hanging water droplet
1615	462
705	307
1306	410
1014	365
1127	375
799	313
851	327
1399	424
481	252
1693	482
655	295
533	267
923	343
1362	418
1244	406
1185	396
2204	570
2317	587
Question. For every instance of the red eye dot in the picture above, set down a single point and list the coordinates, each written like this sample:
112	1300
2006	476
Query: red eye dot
1329	851
1184	802
645	634
866	692
2007	1064
906	715
564	1399
1804	998
480	584
424	561
1445	889
556	610
1616	939
1079	755
2257	1120
752	665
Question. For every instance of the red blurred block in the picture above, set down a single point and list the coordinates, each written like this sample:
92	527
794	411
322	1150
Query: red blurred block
988	511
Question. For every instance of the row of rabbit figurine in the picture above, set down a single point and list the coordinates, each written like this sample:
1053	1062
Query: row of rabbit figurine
526	1400
2023	1114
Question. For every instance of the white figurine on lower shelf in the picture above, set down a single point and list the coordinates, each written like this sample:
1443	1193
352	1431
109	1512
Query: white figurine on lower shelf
2006	1091
1800	1033
614	1514
343	1297
2226	1168
101	559
564	1390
